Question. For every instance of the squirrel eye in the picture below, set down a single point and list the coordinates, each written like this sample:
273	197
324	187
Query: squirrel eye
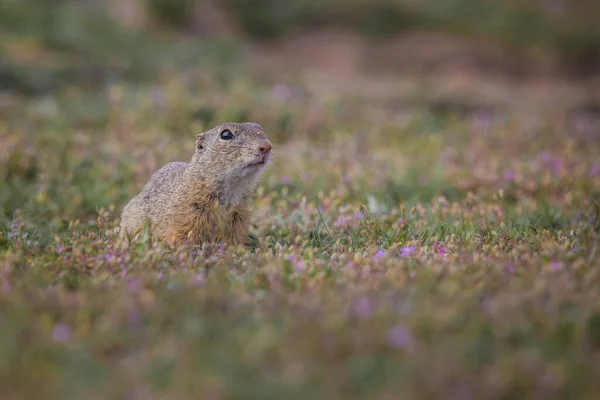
227	135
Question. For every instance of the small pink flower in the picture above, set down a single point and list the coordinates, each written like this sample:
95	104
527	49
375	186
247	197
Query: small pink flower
379	255
439	248
134	318
556	265
341	221
160	275
135	284
595	169
61	333
407	251
400	337
198	280
482	120
298	264
556	165
545	157
363	307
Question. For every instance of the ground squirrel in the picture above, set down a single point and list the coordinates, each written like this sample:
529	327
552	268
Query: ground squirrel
209	197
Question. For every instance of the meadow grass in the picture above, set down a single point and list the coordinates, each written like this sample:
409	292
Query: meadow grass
394	253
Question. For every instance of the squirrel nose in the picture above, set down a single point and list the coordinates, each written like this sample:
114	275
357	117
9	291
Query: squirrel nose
265	146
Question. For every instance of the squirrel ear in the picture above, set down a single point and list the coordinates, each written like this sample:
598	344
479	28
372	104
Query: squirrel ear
199	139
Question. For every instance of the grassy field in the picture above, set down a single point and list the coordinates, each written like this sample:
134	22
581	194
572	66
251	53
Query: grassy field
410	244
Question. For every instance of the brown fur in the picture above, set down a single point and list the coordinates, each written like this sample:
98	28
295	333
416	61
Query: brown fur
208	198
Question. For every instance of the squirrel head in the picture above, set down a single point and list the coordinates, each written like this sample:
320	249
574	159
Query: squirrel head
235	150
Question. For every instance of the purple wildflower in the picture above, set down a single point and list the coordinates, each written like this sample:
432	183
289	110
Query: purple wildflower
285	180
439	247
583	123
341	221
198	280
482	120
400	337
510	268
379	255
160	275
509	176
299	264
545	157
407	251
595	169
135	319
556	265
108	257
553	163
61	333
556	165
61	248
134	284
363	307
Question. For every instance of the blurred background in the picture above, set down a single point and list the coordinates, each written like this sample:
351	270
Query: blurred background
47	45
132	79
83	81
